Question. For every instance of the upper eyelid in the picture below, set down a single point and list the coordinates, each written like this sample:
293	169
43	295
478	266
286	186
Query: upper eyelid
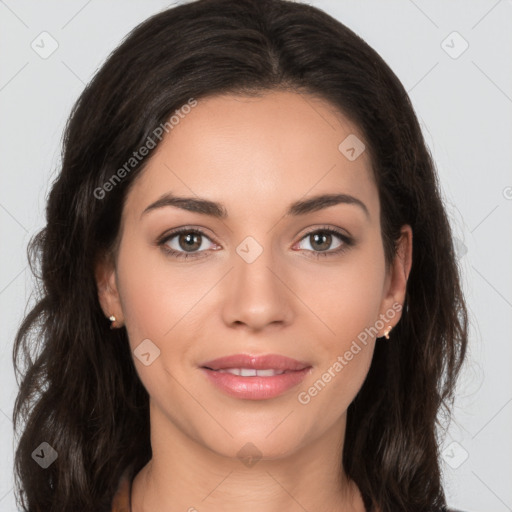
178	231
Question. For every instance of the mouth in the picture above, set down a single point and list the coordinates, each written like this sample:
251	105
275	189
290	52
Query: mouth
255	377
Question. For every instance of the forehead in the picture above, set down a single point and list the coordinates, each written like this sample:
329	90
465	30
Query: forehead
257	151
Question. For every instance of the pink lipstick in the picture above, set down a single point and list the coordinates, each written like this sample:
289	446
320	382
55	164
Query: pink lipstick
254	377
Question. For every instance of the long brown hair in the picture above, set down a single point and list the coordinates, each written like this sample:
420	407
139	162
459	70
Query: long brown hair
78	388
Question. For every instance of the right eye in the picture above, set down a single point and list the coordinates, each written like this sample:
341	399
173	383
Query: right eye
185	243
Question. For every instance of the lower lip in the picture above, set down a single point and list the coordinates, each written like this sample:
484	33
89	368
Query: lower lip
255	388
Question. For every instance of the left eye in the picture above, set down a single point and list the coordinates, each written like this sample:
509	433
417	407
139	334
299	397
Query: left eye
322	240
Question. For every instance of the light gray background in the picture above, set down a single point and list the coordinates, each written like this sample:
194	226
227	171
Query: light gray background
464	105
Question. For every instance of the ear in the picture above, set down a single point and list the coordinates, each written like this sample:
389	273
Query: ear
396	281
108	295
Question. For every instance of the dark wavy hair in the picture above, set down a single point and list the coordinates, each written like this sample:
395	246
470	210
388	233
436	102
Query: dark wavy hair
78	387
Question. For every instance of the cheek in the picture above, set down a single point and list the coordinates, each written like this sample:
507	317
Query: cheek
343	380
346	296
336	381
155	300
155	296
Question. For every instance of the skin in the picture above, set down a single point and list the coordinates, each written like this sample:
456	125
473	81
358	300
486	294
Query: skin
255	155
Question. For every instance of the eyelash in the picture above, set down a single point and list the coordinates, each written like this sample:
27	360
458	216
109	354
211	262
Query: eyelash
164	239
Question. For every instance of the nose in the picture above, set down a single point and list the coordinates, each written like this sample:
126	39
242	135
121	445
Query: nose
257	292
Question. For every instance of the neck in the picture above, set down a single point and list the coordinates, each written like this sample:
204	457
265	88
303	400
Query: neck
185	475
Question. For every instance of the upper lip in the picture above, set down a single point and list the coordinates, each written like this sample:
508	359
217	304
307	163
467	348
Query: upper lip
257	362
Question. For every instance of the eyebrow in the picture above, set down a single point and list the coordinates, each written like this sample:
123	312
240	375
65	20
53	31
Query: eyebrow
217	210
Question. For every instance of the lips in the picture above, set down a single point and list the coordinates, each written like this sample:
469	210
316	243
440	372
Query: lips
255	377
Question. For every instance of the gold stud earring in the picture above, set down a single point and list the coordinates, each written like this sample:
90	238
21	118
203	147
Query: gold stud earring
387	331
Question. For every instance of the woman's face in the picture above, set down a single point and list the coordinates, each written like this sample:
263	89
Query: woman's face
266	278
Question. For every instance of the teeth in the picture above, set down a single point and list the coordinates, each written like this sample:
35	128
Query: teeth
251	372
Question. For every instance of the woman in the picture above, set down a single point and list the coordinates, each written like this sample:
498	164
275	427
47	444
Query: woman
232	314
